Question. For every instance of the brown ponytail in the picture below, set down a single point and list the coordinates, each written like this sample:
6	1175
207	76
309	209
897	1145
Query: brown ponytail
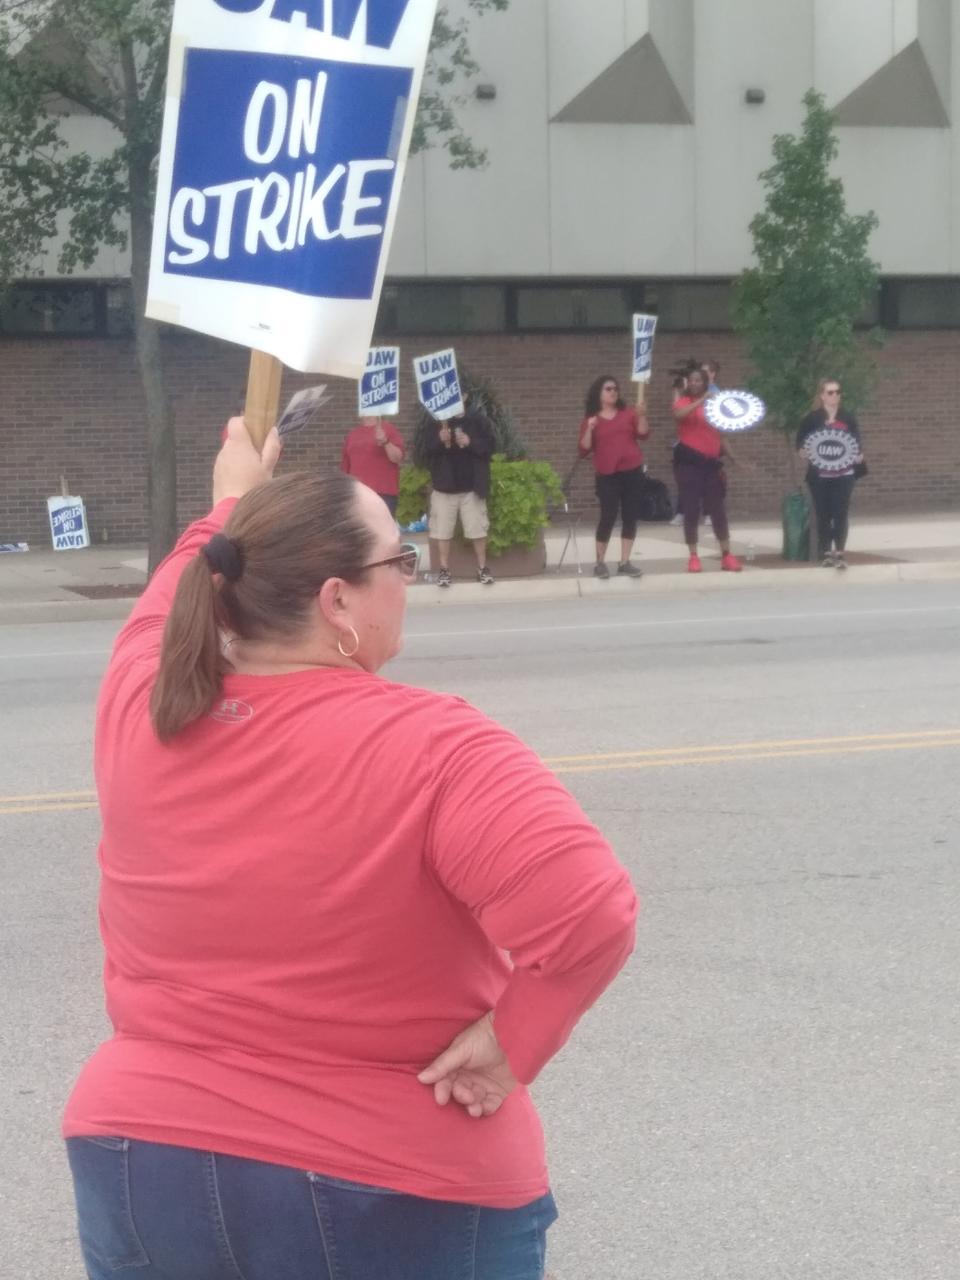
191	662
290	535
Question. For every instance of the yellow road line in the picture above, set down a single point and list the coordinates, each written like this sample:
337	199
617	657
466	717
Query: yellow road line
49	795
666	762
46	808
606	762
689	750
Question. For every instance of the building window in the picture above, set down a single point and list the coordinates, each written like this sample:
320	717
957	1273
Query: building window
55	310
691	305
119	310
928	304
573	307
442	308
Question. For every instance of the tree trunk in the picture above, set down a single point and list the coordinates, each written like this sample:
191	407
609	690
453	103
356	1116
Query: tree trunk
161	445
160	440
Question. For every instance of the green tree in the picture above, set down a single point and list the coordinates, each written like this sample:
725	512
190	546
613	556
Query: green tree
108	59
797	307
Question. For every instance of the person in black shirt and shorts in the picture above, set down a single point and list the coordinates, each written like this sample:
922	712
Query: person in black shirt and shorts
459	452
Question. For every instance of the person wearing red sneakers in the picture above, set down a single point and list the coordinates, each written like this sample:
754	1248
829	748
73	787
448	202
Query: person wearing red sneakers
698	458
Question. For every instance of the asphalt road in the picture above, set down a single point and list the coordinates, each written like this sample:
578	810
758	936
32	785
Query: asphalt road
771	1089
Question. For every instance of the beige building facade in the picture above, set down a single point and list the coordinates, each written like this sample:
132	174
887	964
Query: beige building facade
626	136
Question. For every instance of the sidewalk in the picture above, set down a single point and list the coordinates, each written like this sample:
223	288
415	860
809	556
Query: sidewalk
44	585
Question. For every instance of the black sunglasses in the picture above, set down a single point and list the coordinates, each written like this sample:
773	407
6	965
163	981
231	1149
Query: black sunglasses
407	560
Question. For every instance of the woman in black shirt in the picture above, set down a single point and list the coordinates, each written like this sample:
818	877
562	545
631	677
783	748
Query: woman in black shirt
829	442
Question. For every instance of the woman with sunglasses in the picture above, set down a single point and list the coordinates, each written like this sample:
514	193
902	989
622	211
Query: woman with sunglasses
830	484
610	431
310	884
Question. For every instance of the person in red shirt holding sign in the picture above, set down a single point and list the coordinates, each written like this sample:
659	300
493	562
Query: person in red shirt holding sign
373	452
698	461
610	431
346	922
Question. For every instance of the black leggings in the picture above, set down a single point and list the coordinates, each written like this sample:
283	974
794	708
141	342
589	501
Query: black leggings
619	494
831	501
702	489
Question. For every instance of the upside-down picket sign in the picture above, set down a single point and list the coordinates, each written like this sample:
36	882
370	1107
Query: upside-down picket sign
285	137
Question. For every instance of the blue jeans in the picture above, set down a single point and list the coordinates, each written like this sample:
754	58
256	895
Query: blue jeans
153	1212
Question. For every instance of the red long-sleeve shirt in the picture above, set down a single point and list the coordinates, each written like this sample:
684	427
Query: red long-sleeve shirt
615	444
362	457
307	894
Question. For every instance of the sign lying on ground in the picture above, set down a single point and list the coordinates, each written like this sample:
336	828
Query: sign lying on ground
438	384
735	410
832	450
379	388
285	138
644	329
68	523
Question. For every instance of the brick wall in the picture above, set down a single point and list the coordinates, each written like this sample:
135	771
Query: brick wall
73	408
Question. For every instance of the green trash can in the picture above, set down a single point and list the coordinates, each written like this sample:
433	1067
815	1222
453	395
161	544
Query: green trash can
796	526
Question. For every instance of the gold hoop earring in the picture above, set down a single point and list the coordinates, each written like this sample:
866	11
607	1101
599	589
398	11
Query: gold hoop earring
356	644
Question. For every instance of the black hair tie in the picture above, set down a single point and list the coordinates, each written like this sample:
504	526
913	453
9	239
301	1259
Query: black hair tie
223	556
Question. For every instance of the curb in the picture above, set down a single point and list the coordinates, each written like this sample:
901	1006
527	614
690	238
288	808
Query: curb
551	587
547	586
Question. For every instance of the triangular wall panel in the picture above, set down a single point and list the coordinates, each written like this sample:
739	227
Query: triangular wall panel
636	89
903	93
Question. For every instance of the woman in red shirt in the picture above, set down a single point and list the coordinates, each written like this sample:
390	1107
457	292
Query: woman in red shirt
698	461
373	452
610	431
310	887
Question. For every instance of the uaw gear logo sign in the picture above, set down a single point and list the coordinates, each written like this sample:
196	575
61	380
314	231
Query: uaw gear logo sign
832	451
735	411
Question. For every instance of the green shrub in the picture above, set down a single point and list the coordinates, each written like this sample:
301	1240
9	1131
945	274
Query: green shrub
414	497
521	494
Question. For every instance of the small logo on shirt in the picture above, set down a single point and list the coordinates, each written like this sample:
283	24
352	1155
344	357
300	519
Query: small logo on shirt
232	711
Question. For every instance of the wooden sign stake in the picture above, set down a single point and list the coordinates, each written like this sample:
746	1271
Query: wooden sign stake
263	396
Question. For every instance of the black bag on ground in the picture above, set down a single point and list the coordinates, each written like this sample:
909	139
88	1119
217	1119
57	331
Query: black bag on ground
654	503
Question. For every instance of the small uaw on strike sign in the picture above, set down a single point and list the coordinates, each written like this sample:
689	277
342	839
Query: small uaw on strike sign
285	137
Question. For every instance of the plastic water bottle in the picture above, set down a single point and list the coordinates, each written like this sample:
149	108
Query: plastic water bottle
751	552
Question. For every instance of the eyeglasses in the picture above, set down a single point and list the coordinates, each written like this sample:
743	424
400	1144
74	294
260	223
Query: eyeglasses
407	560
611	386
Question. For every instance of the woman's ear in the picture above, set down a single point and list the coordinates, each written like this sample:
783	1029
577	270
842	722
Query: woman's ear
331	603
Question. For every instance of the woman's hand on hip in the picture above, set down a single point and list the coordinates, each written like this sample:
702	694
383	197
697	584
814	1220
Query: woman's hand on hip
473	1071
239	468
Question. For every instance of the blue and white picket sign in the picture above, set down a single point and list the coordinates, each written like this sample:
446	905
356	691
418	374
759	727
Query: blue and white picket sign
644	329
379	388
68	523
285	139
734	410
438	384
